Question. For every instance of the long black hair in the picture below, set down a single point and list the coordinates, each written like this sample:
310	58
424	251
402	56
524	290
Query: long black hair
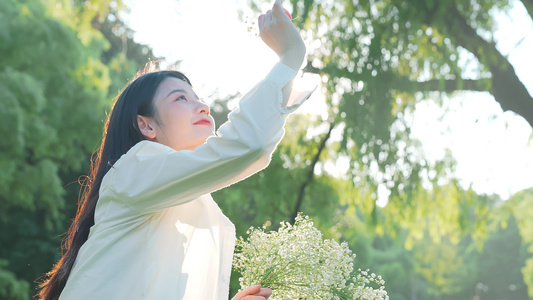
121	132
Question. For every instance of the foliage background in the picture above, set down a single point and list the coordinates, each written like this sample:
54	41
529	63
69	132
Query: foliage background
62	62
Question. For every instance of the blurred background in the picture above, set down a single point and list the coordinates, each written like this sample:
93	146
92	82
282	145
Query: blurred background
416	148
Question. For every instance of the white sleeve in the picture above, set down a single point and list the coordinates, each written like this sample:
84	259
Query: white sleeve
152	176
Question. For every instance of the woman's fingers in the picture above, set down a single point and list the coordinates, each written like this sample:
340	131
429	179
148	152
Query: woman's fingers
253	293
280	34
249	291
264	20
261	22
265	292
268	16
278	9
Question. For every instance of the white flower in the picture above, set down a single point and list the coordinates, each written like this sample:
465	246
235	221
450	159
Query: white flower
295	262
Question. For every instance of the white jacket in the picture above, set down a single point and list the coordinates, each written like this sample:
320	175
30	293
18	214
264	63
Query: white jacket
158	234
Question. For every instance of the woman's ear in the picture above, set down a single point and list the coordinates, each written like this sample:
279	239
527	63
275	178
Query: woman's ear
146	128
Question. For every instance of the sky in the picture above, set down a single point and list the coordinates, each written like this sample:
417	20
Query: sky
493	149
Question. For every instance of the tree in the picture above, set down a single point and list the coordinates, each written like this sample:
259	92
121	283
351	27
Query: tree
416	45
377	60
522	208
501	262
40	115
54	90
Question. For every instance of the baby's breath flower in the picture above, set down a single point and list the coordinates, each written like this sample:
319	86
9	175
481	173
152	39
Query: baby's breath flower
295	262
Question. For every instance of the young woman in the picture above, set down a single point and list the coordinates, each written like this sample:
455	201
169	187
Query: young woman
147	227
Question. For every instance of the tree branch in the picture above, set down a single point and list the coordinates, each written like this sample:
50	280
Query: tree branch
444	85
310	174
506	88
405	84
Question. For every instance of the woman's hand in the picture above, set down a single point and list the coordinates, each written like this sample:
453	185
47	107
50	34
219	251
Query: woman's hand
253	293
278	32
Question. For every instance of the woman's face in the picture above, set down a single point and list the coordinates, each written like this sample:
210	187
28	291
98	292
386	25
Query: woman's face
183	121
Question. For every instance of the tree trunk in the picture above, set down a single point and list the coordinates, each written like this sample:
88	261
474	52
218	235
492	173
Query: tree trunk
310	174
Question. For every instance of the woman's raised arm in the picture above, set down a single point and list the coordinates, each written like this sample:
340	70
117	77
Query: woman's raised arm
157	177
280	35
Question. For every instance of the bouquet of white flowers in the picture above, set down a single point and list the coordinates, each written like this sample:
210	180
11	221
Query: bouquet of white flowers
295	262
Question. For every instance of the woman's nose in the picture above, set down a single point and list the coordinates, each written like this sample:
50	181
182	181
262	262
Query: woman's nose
203	108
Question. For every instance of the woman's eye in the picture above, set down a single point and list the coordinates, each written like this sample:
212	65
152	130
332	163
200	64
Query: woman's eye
182	97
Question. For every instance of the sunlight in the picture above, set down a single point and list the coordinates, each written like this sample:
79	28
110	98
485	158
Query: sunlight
219	53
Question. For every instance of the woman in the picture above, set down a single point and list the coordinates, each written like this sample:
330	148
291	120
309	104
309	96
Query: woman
147	227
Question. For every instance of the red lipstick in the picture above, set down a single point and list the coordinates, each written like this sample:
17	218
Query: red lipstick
202	122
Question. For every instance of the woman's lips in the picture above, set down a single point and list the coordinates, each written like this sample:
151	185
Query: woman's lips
202	122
